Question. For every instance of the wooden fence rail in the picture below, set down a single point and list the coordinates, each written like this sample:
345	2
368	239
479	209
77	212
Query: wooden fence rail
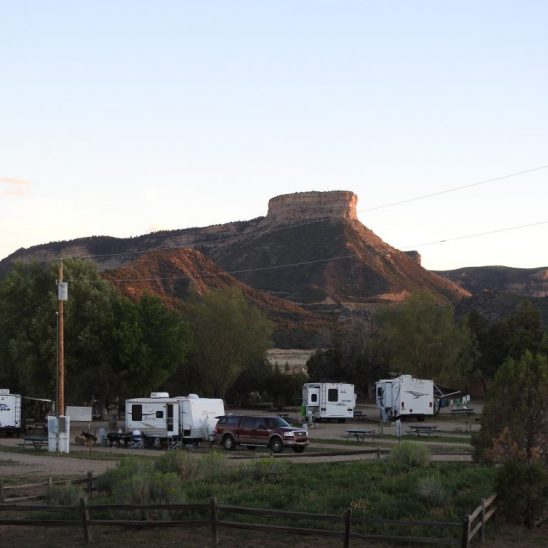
216	516
346	526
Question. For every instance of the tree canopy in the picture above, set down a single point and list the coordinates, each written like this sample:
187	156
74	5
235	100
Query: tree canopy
230	335
114	347
420	337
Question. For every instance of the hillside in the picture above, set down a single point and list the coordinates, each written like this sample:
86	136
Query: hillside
528	282
176	276
310	249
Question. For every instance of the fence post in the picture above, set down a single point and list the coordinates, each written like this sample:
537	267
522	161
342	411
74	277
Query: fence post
90	484
465	540
378	453
483	521
213	514
85	520
1	490
347	527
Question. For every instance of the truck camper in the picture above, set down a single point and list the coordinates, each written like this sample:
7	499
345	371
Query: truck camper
328	400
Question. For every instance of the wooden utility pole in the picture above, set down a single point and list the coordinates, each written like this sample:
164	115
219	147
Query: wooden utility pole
61	349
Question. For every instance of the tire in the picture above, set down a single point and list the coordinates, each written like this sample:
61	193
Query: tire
298	448
276	445
229	443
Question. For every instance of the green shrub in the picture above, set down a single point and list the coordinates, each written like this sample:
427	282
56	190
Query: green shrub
126	469
191	467
410	454
64	495
522	491
431	489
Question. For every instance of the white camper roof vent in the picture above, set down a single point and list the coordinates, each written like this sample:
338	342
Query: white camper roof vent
193	396
159	394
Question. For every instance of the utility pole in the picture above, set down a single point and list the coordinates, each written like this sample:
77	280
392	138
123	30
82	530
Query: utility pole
62	294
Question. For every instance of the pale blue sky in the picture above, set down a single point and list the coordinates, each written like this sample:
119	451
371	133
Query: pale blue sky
122	117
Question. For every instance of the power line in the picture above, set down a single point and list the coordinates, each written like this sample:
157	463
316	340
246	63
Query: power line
319	220
33	305
456	188
476	235
223	273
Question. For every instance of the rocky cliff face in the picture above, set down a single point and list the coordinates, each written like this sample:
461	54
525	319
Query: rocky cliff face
304	206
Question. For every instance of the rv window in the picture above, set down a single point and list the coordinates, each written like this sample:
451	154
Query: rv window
159	414
314	398
333	395
380	392
137	412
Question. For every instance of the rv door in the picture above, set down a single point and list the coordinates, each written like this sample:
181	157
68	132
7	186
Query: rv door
172	422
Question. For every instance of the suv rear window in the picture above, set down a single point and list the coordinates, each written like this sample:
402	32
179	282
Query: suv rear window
229	420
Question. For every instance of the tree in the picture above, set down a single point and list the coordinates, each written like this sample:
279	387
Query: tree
511	337
421	338
113	347
229	335
514	423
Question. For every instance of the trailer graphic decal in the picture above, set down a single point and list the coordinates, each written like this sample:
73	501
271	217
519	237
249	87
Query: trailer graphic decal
416	395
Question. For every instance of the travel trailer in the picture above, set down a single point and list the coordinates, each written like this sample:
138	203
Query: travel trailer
162	417
328	401
10	412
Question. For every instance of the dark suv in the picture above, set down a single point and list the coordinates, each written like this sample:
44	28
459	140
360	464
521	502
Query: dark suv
253	431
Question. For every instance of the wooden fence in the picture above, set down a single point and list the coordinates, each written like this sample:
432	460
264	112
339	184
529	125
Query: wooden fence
345	526
43	486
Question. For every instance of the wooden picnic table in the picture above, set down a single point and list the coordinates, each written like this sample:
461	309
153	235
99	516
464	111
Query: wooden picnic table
359	434
119	438
36	441
359	415
423	429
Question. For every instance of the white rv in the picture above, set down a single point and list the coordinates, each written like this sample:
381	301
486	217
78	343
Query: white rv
10	412
328	400
405	396
160	416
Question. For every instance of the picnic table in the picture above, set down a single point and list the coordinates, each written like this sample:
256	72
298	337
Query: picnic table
423	429
36	441
360	435
119	438
359	415
463	411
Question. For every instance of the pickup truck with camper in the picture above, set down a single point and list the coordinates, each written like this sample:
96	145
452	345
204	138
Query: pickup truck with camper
259	431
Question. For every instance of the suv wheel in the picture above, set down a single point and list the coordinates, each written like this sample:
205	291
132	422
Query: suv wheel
276	445
229	443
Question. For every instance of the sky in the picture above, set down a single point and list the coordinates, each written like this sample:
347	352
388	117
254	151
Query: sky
124	117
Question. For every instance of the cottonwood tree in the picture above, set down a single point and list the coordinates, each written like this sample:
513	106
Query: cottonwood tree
420	337
113	346
229	335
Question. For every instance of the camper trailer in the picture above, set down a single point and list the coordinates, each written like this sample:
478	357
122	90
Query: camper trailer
328	400
162	417
10	412
405	396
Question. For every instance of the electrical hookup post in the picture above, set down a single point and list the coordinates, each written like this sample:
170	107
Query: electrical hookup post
59	424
